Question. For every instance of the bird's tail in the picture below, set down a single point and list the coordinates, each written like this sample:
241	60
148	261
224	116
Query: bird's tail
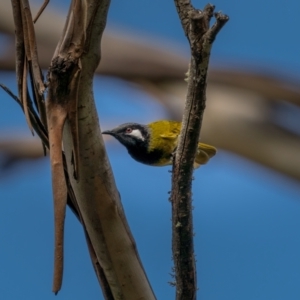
204	154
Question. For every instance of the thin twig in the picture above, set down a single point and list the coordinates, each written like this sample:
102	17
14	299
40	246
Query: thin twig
34	118
19	42
31	47
41	10
196	27
24	95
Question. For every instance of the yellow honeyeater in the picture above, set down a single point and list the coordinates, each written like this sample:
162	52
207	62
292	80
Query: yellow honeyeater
155	143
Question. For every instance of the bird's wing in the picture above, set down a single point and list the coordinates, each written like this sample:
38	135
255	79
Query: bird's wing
169	135
172	131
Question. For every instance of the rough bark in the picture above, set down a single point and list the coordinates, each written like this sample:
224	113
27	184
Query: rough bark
200	36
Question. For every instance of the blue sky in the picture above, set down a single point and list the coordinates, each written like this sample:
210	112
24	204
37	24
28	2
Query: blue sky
246	217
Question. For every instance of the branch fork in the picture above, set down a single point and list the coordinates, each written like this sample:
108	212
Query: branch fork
200	35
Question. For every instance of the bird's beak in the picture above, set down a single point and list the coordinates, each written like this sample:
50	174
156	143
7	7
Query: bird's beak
107	132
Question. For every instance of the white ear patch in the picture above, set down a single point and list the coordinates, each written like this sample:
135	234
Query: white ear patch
137	133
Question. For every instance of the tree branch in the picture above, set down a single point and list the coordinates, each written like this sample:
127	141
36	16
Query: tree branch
196	27
73	122
70	99
95	190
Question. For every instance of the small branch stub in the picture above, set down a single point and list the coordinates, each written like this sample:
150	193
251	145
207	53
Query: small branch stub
200	36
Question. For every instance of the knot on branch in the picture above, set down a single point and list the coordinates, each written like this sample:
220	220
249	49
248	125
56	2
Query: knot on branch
63	65
62	74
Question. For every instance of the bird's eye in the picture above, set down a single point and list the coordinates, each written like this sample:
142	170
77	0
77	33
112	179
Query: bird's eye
128	130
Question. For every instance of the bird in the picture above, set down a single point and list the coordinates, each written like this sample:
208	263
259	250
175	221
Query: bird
154	144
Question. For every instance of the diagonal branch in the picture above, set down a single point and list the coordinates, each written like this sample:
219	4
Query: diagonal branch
73	122
196	27
46	2
95	190
71	199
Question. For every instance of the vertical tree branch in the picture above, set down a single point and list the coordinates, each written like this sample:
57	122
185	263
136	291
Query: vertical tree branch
196	27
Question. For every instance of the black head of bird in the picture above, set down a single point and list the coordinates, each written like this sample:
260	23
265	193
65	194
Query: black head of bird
154	144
